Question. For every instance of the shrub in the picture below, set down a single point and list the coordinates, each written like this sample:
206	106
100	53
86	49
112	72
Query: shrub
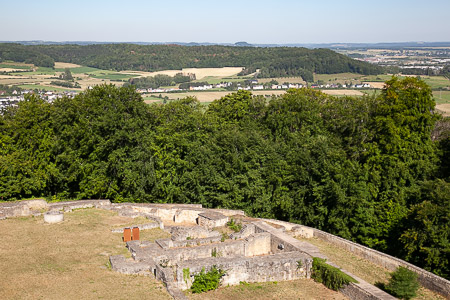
403	283
234	226
330	276
204	282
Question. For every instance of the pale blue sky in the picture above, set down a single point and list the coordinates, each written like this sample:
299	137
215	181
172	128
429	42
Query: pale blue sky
284	21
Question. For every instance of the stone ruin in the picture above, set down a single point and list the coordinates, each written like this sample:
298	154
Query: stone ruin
263	250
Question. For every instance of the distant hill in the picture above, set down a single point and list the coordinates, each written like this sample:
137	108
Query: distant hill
271	62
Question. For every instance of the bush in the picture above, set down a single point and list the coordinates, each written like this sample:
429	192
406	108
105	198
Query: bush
331	277
234	226
204	282
403	283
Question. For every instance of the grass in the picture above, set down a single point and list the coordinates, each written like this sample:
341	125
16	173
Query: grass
360	267
69	260
335	78
15	66
295	289
110	75
441	97
43	87
81	70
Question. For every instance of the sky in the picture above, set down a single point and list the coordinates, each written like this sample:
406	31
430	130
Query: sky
259	22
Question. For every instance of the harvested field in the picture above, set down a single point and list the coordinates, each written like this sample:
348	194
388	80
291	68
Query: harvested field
63	65
209	96
375	84
445	108
343	92
199	72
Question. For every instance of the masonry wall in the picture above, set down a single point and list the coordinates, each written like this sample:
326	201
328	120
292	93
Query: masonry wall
427	279
277	267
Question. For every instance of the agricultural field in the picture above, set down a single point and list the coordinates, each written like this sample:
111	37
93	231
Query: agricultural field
338	78
206	96
281	80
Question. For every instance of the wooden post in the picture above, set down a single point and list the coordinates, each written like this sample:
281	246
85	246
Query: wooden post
127	235
135	234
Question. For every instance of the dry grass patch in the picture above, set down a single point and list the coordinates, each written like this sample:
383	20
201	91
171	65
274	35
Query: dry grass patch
342	92
361	267
375	84
63	65
295	289
444	108
68	260
199	72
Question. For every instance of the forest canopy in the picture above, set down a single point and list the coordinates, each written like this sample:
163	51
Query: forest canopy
271	62
366	169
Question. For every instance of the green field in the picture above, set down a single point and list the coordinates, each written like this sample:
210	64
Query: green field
39	71
110	75
341	77
13	66
81	70
441	97
45	88
216	80
434	82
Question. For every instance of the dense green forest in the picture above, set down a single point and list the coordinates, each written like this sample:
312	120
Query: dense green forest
272	62
374	170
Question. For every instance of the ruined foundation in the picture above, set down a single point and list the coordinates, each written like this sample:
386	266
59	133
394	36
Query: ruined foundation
259	252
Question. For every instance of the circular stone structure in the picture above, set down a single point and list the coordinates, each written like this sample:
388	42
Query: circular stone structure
53	217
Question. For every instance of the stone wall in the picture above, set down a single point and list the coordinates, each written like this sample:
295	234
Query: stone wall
427	279
250	269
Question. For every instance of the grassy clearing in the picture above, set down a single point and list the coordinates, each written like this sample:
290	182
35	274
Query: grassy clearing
69	260
295	289
360	267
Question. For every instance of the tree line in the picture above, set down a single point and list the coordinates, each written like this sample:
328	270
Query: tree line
271	62
373	169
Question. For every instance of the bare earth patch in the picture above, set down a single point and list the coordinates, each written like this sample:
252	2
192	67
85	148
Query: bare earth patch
69	260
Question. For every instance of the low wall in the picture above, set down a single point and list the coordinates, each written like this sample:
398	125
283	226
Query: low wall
276	267
426	279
